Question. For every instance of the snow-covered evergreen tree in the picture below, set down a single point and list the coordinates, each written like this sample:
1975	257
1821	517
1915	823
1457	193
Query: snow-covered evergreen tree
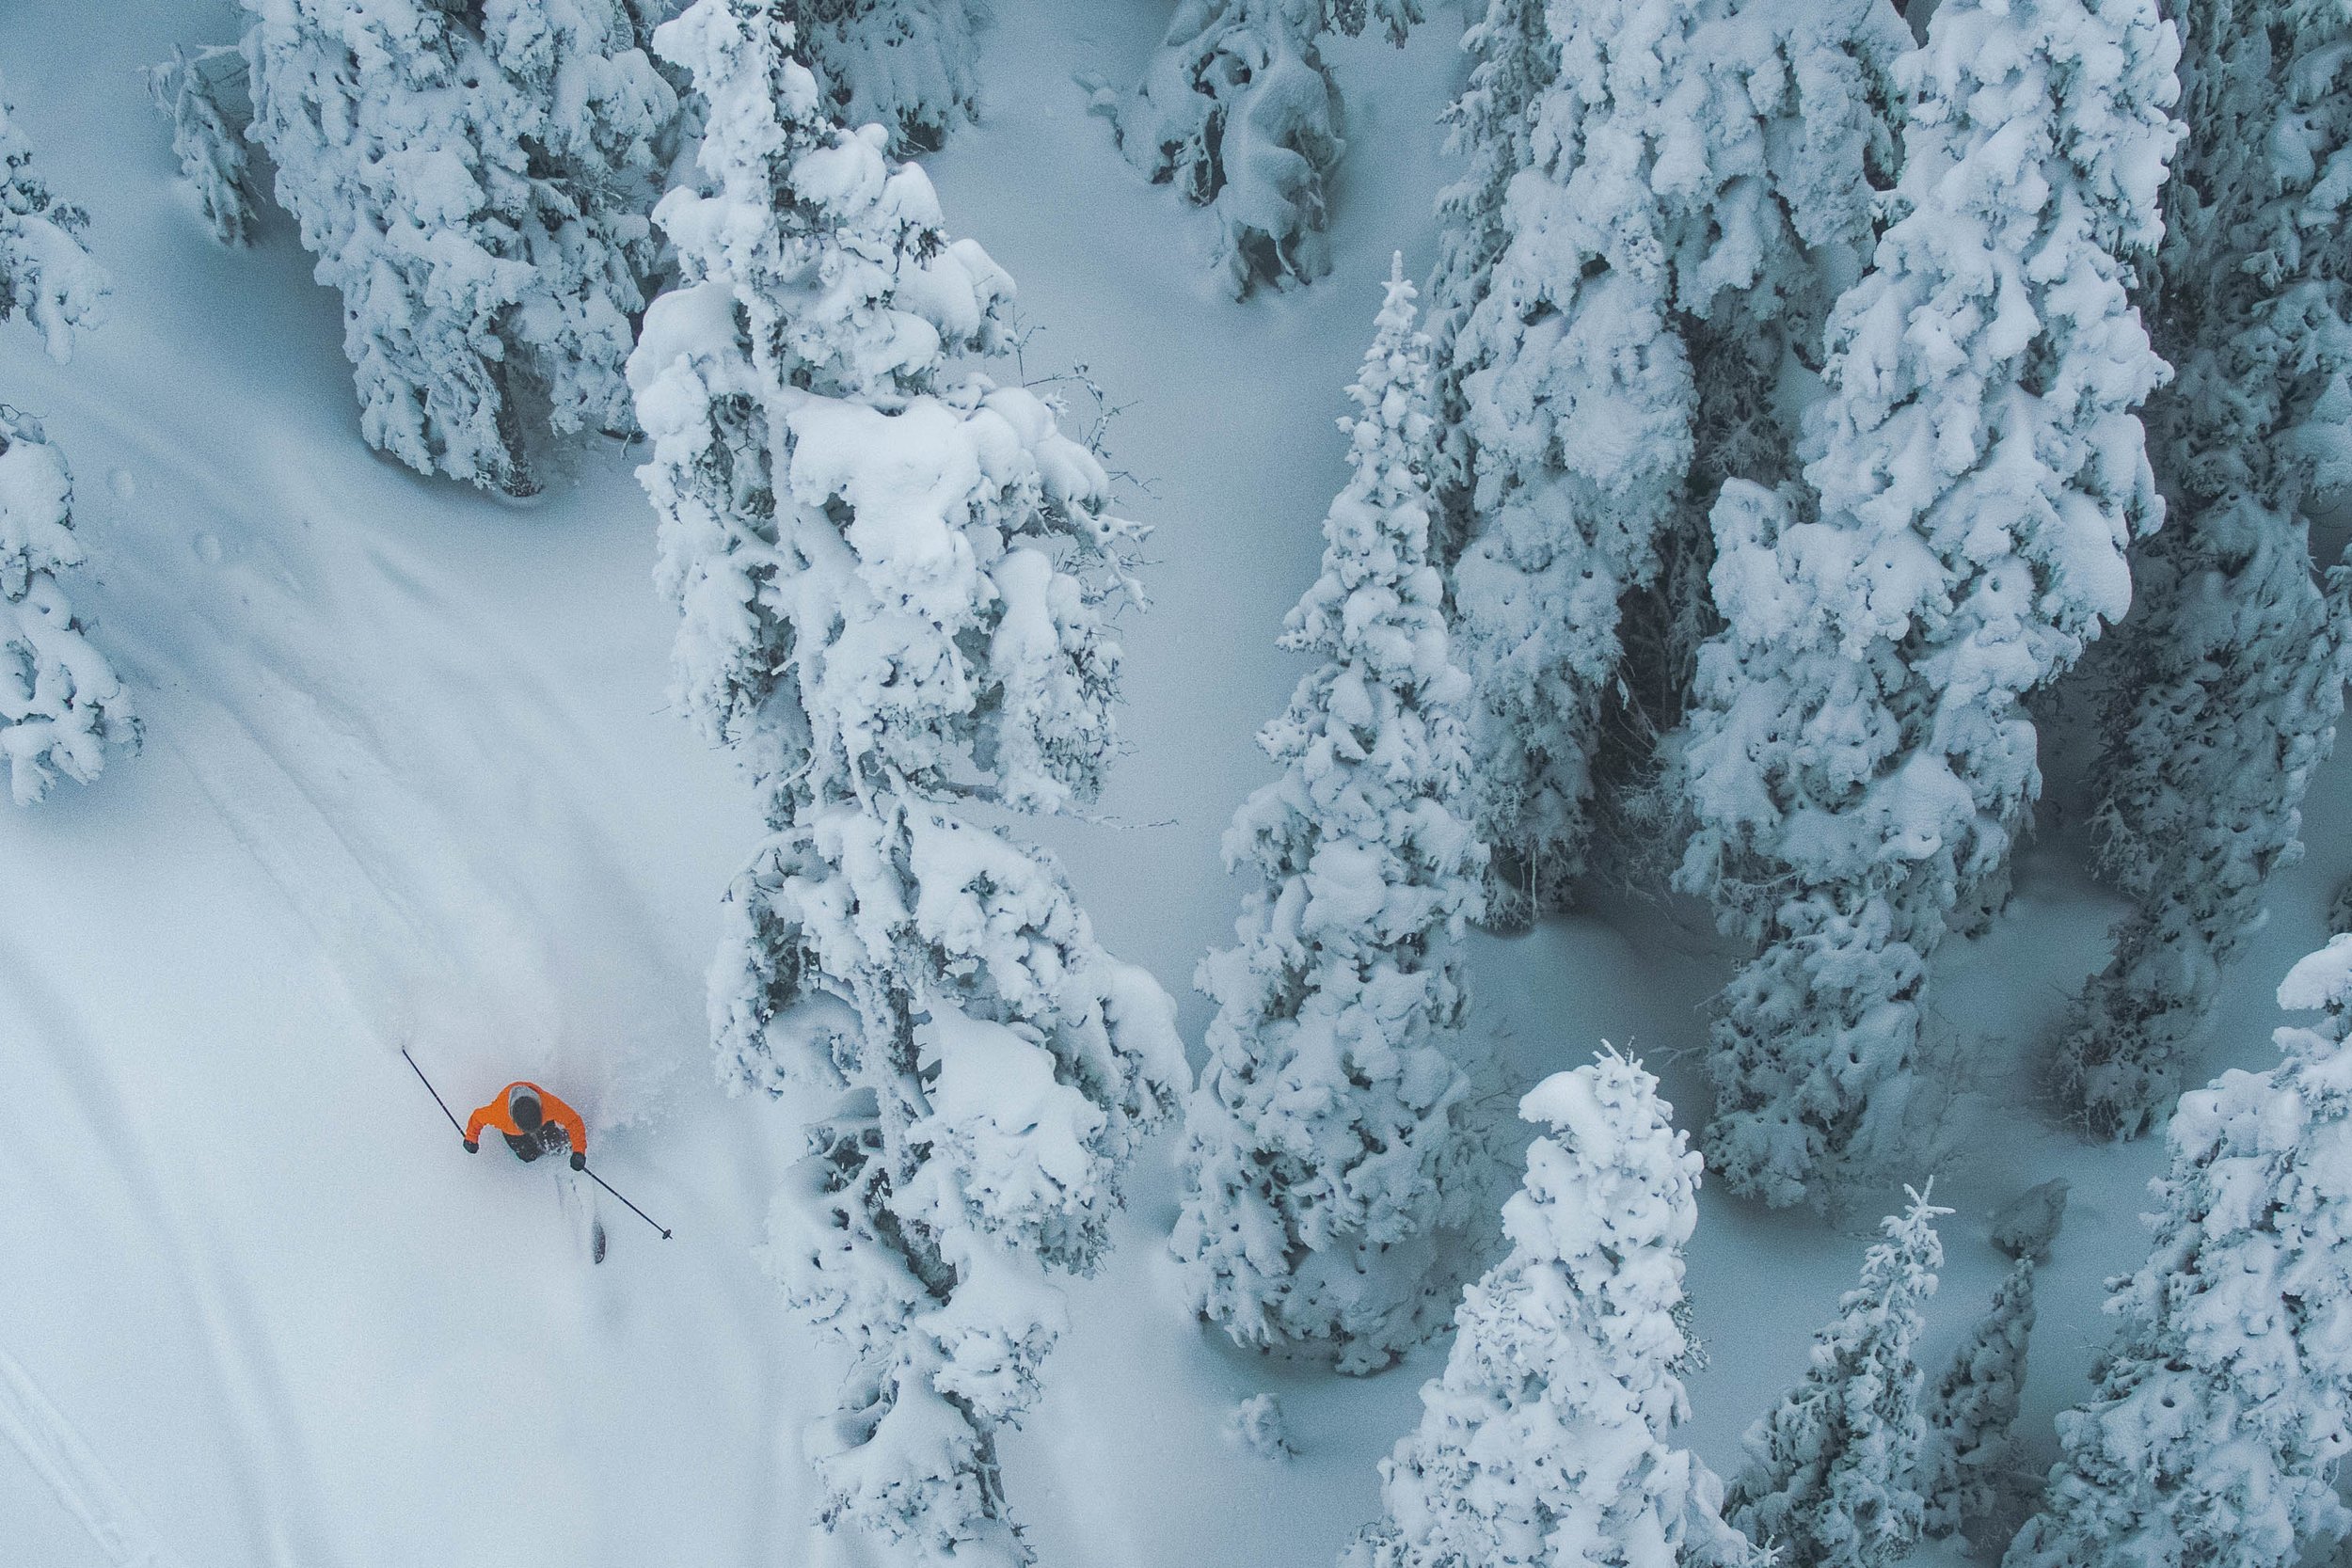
1832	1480
1756	364
476	180
1488	127
1237	110
45	275
2230	678
61	703
2218	1417
893	571
906	64
982	1072
1547	1441
2027	1226
1968	1472
1860	753
204	94
1257	1426
1324	1127
1680	157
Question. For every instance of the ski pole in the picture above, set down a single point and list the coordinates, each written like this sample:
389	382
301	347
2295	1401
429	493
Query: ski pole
633	1207
430	1090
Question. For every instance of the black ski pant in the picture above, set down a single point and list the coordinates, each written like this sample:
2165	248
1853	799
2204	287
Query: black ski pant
549	1139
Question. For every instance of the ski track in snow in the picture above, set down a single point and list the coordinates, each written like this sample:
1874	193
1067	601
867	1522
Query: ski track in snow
88	1491
366	813
276	1471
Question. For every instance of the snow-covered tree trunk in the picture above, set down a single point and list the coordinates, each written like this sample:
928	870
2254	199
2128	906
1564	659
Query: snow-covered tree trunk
1547	1441
893	573
2218	1418
1832	1478
210	108
1969	1475
477	183
1676	159
1859	752
61	703
906	64
1237	110
2229	679
1320	1143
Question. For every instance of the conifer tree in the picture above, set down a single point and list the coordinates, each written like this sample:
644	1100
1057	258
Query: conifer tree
2229	678
1325	1129
1547	1441
46	276
893	573
476	181
61	703
1678	158
1830	1479
205	97
1968	1472
906	64
1488	127
1860	753
1756	364
2218	1417
1237	110
2027	1226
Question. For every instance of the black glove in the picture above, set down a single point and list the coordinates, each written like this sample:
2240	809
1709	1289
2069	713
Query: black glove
472	1147
579	1160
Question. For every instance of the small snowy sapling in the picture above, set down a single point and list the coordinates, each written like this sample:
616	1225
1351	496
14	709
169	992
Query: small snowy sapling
205	95
1833	1479
1257	1424
2027	1224
1969	1475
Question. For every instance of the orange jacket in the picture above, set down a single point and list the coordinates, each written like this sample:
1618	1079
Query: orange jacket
496	1114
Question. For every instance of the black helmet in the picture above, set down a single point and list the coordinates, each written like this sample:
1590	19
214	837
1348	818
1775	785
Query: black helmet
524	1106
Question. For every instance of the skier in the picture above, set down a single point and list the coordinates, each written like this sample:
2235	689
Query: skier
535	1122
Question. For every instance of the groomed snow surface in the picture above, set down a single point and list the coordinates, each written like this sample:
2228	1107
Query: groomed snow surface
409	781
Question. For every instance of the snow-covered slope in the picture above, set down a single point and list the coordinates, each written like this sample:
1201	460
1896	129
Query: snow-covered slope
409	781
